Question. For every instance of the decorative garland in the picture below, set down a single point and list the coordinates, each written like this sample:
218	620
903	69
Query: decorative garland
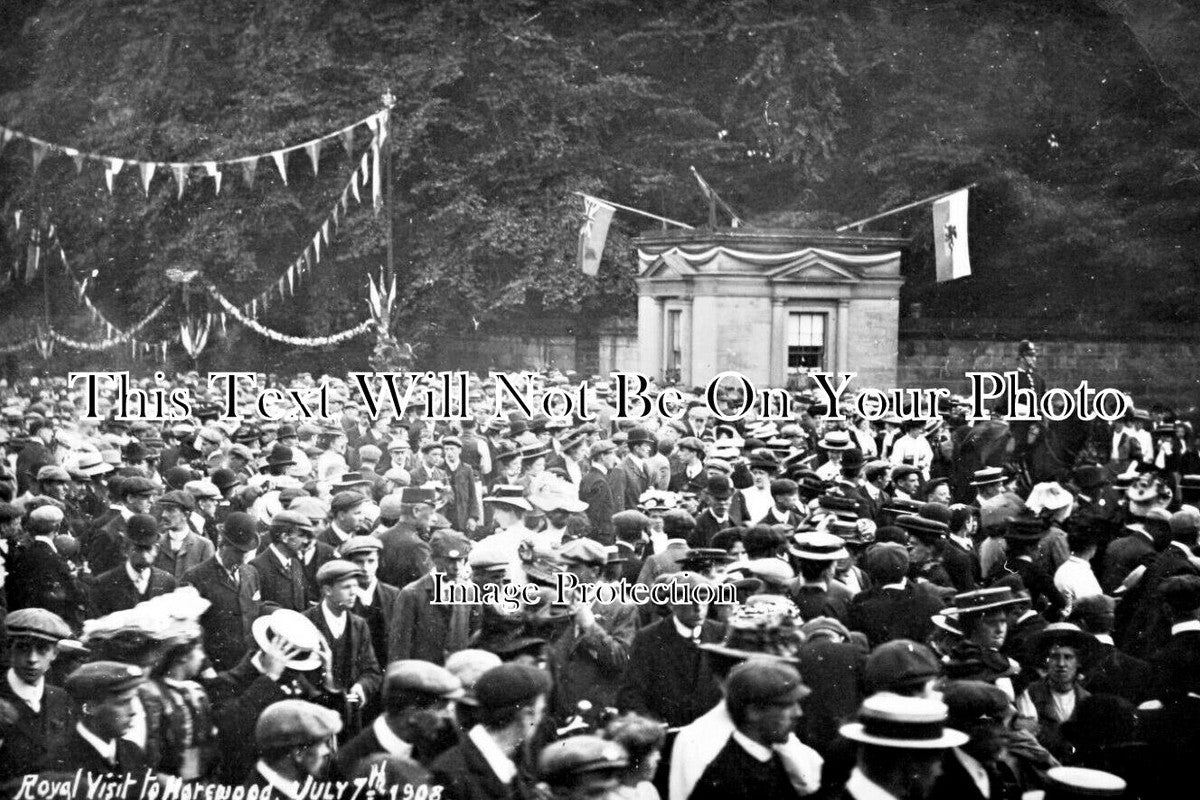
127	335
377	123
299	341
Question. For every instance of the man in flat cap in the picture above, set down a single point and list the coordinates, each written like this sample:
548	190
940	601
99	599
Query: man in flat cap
763	698
105	692
594	488
275	578
486	763
103	549
417	720
374	600
426	629
39	575
582	767
667	676
354	669
978	769
218	580
34	716
137	579
180	547
294	739
345	518
589	657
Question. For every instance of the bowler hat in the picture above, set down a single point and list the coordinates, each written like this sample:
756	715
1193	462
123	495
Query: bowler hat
240	531
142	530
640	435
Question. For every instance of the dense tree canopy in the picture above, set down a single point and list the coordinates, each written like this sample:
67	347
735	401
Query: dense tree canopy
1076	122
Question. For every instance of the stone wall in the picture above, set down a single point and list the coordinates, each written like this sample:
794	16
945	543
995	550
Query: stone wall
1167	370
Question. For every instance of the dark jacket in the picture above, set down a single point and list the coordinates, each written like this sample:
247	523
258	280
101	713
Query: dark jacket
961	565
884	614
1122	556
322	553
1109	671
26	745
1176	665
833	670
596	492
1146	628
267	586
589	666
363	667
224	635
38	577
813	601
424	630
380	617
627	480
405	555
465	774
114	591
668	677
75	753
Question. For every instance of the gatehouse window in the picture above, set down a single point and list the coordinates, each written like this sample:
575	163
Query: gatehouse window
806	343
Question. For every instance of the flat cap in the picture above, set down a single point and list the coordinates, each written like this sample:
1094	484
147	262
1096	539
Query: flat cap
414	675
336	570
898	664
630	520
693	444
291	519
240	531
36	623
360	544
511	685
576	755
103	679
762	680
50	472
584	551
48	515
970	701
345	501
825	627
289	723
449	543
600	448
311	507
202	490
468	666
178	499
369	453
9	512
142	530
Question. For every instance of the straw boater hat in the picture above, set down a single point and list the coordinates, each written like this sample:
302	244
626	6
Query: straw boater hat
290	628
509	495
983	600
907	723
987	476
819	546
835	440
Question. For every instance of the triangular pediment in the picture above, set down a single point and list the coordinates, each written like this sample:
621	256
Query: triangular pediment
815	268
669	266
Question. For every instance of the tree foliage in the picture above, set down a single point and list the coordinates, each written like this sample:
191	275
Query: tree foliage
800	113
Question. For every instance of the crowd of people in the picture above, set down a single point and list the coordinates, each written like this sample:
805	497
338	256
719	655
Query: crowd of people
252	602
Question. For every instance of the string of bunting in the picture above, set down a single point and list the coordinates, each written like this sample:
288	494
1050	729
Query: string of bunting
367	172
299	341
377	123
127	335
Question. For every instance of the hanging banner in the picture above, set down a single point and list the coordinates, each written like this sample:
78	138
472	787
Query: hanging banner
147	170
280	164
181	174
376	183
950	237
210	169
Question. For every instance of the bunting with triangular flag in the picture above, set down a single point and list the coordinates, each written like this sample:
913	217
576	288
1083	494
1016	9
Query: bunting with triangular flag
280	159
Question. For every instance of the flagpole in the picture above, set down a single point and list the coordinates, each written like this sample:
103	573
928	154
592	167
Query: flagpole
389	100
932	198
638	211
714	200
